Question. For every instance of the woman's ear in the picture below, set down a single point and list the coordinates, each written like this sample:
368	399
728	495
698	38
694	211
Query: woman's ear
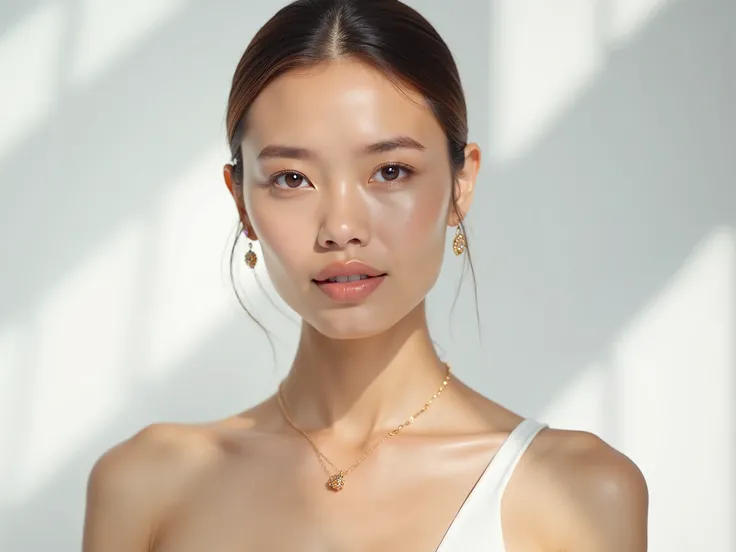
236	191
465	185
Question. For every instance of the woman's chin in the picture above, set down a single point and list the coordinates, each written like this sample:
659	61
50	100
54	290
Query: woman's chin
343	324
346	332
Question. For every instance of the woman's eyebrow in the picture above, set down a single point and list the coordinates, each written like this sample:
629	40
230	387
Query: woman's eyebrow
285	152
397	142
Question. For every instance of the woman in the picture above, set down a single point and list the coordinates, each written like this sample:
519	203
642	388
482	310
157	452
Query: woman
347	125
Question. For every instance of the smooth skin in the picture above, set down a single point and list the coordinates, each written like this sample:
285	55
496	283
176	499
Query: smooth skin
342	164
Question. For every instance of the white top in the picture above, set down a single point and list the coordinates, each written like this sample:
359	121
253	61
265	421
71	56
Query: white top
477	525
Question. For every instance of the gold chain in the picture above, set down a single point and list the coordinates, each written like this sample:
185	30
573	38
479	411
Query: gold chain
337	481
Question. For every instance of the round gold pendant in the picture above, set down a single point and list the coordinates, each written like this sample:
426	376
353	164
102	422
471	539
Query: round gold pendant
336	482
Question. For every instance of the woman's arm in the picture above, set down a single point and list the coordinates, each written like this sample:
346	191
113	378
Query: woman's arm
134	486
120	507
606	501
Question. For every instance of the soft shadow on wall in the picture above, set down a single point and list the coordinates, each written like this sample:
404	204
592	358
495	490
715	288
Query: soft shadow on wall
609	302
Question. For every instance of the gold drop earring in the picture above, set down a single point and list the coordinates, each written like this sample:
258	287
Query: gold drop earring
459	244
250	257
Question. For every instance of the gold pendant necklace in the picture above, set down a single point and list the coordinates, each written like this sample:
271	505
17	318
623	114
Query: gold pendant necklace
336	480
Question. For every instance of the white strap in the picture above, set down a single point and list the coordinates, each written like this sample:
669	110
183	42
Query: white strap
511	451
471	521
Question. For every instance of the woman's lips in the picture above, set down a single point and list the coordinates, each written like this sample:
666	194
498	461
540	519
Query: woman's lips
346	268
350	291
349	281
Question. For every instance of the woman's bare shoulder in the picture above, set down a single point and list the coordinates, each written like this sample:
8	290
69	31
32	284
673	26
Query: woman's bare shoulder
167	454
589	495
134	484
155	451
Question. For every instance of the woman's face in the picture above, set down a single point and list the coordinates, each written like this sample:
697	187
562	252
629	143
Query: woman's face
345	175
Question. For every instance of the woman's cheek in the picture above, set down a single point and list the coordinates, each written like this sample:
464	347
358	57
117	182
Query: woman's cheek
285	246
284	236
415	222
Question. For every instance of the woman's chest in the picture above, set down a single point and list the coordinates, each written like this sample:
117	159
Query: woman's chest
398	509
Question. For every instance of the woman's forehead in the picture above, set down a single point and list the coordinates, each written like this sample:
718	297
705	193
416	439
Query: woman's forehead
343	96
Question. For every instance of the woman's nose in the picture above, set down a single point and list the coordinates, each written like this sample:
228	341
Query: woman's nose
345	218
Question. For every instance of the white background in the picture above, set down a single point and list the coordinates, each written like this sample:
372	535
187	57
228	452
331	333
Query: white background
604	239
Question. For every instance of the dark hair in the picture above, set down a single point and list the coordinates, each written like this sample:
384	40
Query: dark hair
387	34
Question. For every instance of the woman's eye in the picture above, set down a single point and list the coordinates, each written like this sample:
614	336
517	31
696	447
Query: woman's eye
391	173
290	180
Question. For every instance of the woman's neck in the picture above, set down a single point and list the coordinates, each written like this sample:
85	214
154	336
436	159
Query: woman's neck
361	386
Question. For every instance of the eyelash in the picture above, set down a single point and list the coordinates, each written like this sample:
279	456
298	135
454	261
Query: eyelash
401	166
